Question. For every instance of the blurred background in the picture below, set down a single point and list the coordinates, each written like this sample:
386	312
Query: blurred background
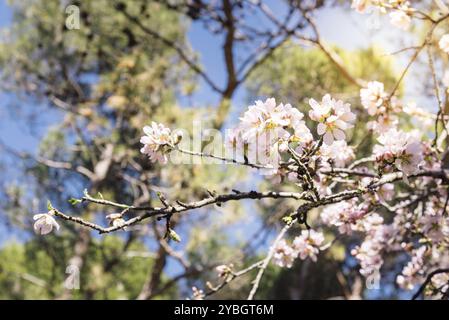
73	102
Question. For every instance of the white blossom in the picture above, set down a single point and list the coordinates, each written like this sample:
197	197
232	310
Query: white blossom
441	281
373	97
334	117
433	224
116	220
369	253
339	152
44	223
157	142
265	131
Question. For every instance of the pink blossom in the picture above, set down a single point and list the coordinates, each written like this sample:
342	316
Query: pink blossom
401	149
307	244
284	255
413	271
344	215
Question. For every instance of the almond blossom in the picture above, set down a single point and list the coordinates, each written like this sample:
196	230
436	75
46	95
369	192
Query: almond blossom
344	215
157	141
339	152
400	149
116	219
441	282
265	130
44	223
334	117
307	245
433	224
284	255
413	271
373	97
264	118
267	118
369	253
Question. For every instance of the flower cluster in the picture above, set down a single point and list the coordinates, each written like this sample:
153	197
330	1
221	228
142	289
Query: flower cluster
345	215
441	282
434	223
399	149
369	253
409	276
379	104
334	117
158	140
284	255
306	245
338	153
373	98
266	129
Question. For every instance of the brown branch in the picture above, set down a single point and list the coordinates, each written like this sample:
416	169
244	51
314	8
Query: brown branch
179	50
181	207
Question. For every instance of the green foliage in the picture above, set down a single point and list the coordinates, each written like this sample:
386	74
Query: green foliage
295	74
29	271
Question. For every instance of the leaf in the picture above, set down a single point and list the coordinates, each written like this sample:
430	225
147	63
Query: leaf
49	205
74	201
